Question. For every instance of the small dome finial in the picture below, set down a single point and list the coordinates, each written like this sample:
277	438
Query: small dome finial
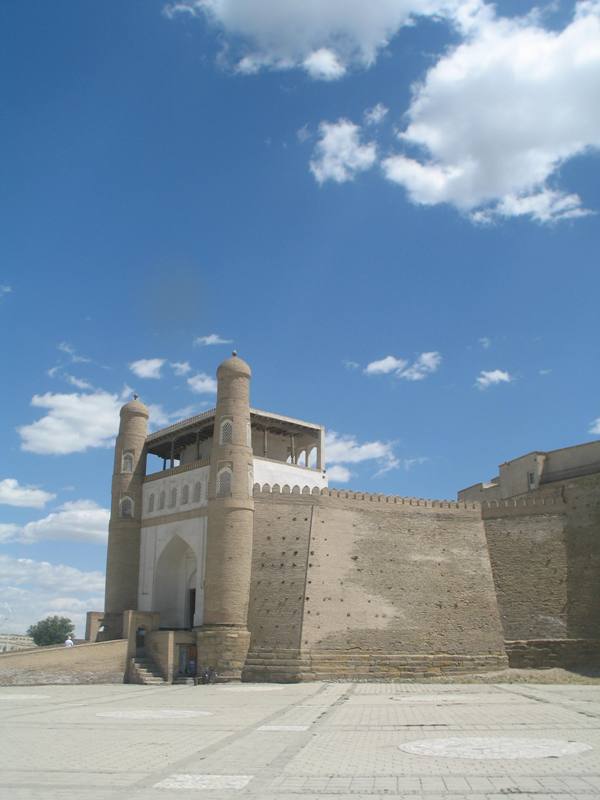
234	353
135	396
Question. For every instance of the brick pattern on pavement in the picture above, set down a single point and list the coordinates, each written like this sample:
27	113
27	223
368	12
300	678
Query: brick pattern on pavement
293	742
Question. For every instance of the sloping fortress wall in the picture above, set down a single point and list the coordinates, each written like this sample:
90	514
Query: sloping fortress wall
260	578
545	555
370	585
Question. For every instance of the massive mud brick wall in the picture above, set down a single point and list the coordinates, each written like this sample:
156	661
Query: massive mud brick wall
279	560
545	554
338	572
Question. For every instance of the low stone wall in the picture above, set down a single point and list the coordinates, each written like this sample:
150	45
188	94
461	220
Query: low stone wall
98	662
541	653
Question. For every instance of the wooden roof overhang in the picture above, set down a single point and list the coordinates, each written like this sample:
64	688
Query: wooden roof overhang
283	426
175	438
172	440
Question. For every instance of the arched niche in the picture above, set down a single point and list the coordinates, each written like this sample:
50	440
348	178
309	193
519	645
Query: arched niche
175	585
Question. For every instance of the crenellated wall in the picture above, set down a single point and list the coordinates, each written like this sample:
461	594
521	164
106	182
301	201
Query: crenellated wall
266	490
344	581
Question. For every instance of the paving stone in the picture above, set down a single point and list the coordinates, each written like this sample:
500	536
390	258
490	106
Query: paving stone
297	742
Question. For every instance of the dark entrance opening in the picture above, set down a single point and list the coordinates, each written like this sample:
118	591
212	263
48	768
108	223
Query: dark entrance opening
186	658
192	608
140	641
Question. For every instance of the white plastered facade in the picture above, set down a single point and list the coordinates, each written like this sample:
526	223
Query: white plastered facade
274	472
173	553
172	563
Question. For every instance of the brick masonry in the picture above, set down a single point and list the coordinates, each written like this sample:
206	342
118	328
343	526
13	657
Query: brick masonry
565	653
102	662
354	586
546	561
347	585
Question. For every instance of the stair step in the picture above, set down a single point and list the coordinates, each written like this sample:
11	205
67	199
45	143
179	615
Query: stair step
147	672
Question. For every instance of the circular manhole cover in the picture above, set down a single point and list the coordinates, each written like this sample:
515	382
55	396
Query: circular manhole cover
493	748
447	699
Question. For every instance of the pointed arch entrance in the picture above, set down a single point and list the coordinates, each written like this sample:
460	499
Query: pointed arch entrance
175	585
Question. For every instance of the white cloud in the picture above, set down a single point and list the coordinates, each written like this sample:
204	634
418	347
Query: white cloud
425	364
8	531
485	342
497	116
270	34
78	383
159	417
595	427
147	367
345	449
386	365
338	474
31	590
202	384
73	423
351	365
53	577
69	350
492	377
375	115
339	154
544	371
546	205
324	65
303	134
78	520
212	338
181	367
126	393
409	463
13	494
4	289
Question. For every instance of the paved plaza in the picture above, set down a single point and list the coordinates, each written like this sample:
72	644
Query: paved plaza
301	741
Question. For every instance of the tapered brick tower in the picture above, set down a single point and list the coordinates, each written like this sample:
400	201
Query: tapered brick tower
224	639
123	557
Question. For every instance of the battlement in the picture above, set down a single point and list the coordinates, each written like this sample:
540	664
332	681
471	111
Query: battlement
345	494
546	504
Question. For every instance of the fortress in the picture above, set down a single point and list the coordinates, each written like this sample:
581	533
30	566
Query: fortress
237	556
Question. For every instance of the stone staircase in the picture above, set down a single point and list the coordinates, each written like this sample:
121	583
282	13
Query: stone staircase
143	670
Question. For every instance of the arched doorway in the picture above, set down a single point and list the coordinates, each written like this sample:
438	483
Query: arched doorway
175	585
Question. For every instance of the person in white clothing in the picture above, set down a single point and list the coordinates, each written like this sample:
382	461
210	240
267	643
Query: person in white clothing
69	642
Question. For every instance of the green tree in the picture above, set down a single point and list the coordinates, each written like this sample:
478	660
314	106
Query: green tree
52	630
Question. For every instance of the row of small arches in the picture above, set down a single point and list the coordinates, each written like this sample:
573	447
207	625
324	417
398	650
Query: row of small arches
158	502
522	502
305	458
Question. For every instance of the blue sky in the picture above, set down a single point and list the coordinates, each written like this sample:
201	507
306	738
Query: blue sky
391	213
